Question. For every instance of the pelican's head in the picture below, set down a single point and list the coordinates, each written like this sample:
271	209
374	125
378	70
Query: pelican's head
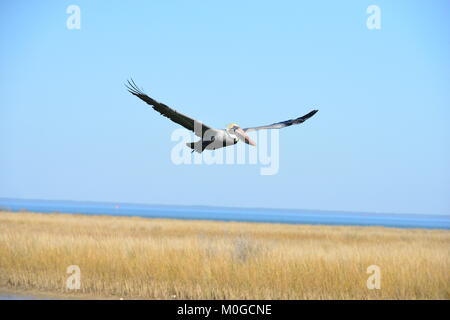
236	130
232	126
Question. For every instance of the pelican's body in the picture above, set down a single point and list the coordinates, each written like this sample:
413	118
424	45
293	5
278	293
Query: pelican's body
210	138
218	138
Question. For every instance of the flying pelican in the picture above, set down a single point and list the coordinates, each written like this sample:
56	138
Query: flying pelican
210	138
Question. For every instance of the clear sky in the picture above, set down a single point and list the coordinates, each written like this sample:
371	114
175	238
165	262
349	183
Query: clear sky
70	131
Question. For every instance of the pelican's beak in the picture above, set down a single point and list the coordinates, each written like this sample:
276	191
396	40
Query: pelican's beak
244	137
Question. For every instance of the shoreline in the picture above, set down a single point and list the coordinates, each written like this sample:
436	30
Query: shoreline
225	214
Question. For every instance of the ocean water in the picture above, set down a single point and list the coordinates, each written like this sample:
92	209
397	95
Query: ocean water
290	216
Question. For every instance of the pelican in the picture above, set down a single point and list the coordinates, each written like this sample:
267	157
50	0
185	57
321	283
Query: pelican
210	138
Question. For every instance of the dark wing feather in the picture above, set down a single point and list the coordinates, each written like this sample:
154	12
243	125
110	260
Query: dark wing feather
283	124
175	116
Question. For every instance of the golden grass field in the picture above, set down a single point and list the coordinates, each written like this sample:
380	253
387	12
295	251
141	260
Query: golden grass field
133	258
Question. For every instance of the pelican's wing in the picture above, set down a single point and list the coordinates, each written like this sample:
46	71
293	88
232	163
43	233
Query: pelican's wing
283	124
175	116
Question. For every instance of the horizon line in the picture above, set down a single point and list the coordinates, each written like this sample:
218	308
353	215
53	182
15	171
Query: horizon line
220	207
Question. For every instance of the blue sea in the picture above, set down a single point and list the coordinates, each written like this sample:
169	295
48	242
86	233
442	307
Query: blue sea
290	216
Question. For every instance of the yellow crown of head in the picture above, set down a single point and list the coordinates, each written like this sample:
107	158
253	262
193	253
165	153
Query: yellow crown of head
231	125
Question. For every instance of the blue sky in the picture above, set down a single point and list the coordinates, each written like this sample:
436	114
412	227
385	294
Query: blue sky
380	143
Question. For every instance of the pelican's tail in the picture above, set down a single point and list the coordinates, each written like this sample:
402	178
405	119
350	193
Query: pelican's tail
195	146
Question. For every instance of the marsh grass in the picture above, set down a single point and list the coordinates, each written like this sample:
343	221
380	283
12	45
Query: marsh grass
128	257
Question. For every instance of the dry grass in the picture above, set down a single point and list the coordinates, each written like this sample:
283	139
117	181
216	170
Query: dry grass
163	259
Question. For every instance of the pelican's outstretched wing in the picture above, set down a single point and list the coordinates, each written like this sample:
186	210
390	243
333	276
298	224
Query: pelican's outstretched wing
283	124
175	116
